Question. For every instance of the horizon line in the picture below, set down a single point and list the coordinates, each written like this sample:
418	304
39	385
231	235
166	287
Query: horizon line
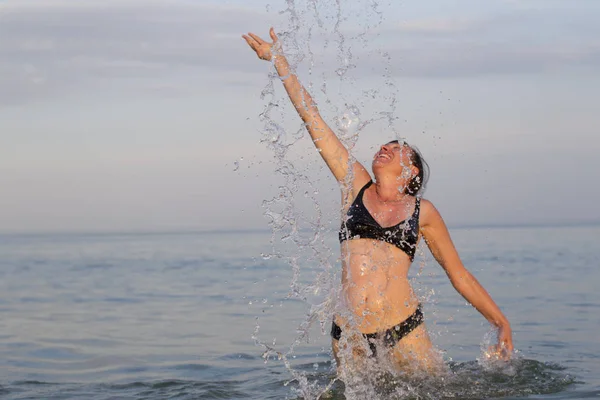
181	231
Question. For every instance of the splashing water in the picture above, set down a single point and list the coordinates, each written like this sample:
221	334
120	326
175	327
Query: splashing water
310	23
299	240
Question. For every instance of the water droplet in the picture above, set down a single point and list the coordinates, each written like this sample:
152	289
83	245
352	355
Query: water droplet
349	121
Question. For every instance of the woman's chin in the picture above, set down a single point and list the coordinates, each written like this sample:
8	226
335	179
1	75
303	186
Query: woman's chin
378	164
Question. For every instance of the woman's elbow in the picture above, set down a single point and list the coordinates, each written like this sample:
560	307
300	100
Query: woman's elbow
461	282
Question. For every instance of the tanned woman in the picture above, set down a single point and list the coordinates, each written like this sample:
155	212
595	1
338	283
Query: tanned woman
384	219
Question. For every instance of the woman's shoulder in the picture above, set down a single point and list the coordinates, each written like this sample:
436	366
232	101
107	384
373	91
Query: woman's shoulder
361	181
425	203
428	212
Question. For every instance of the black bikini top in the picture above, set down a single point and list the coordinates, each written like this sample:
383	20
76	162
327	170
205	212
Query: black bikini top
360	224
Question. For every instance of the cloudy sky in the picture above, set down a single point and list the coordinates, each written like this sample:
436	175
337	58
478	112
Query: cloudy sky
146	115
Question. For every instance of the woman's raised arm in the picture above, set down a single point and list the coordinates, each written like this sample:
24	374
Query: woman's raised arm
331	148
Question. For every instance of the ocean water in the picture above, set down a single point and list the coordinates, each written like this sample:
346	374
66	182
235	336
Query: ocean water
187	315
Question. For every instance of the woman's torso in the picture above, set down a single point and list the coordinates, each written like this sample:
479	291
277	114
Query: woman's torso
378	242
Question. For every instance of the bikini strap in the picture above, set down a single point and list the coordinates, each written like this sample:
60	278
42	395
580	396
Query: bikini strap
417	211
362	190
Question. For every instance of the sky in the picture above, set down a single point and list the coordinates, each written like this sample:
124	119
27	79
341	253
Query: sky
130	115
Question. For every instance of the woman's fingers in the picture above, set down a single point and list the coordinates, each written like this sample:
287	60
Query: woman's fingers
505	349
498	352
273	35
250	42
257	38
505	339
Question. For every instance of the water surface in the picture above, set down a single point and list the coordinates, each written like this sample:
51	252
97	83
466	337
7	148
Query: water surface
153	316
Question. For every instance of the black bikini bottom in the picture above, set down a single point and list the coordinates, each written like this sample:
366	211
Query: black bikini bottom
391	336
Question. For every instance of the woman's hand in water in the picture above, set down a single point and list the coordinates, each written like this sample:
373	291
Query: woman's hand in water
503	350
263	49
505	343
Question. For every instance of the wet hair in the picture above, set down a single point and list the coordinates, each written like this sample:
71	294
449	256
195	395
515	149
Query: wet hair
417	184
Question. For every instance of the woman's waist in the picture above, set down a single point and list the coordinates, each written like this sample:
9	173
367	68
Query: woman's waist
383	274
376	297
368	319
373	283
377	286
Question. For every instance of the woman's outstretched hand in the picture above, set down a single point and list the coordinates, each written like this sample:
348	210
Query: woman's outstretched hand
262	48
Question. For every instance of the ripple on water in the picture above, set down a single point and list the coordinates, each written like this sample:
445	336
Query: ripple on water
87	342
238	356
33	383
183	389
192	367
57	353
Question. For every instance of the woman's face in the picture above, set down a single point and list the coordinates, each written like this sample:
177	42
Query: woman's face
395	158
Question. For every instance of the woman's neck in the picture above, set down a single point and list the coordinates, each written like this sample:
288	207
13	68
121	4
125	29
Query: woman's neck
389	190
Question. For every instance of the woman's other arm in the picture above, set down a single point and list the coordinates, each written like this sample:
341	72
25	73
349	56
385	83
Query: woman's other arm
438	240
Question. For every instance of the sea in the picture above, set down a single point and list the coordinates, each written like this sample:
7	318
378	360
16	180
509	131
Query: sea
221	315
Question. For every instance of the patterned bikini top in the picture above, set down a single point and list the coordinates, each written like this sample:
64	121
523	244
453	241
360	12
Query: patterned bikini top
360	224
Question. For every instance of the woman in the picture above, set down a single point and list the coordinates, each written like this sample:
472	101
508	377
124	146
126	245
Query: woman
384	222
